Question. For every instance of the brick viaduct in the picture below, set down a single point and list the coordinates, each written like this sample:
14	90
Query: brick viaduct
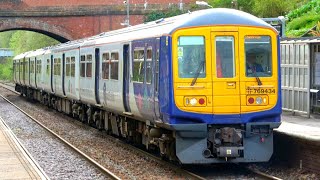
73	19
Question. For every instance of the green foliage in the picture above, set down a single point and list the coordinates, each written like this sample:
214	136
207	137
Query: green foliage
271	8
244	5
302	19
316	32
155	15
306	21
6	69
308	8
21	41
5	39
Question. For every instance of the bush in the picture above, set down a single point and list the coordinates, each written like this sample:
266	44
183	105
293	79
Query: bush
305	22
155	15
313	5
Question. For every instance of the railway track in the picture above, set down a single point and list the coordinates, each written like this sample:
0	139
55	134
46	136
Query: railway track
96	164
187	174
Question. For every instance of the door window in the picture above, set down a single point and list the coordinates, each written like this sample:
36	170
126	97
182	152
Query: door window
225	61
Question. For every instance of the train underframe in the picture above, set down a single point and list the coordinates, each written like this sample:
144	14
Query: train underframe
186	143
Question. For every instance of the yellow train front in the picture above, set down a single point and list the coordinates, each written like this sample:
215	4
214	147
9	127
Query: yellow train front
224	98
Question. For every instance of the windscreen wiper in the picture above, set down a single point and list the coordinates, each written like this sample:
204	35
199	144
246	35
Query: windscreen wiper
258	79
197	73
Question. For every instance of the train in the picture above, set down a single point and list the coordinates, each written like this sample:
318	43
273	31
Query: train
199	88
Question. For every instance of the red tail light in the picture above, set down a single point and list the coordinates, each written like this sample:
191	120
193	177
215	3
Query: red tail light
201	101
251	100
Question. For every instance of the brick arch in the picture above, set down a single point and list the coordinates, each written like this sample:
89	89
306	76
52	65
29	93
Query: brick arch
59	33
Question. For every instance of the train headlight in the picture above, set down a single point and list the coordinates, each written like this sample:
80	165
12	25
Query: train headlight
259	100
193	101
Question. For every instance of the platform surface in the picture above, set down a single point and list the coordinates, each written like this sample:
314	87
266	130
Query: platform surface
300	126
15	161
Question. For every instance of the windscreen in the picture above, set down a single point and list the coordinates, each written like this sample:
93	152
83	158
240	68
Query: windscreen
258	56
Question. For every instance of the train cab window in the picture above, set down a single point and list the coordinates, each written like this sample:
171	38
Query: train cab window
82	66
73	61
48	67
258	56
225	59
149	66
89	66
38	68
105	65
114	64
191	57
67	66
138	66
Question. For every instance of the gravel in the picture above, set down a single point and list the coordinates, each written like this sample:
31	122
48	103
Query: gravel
57	160
124	162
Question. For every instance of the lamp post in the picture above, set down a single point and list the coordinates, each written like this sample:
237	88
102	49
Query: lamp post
202	3
127	21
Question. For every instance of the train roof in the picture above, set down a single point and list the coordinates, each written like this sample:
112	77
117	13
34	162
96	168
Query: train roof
167	26
20	56
36	53
208	17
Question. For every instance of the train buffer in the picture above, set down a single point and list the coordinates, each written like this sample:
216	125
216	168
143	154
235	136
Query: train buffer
15	161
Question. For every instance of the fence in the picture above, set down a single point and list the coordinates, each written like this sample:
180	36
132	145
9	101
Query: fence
295	75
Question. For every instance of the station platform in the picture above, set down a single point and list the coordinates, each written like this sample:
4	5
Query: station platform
300	126
15	161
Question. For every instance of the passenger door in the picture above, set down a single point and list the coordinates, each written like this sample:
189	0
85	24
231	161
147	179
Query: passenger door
126	77
226	84
96	76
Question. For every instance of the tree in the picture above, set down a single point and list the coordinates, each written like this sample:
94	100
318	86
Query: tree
5	39
272	8
23	41
243	5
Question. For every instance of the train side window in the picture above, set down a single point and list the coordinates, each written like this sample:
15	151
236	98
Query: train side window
114	64
48	67
105	65
26	65
55	66
82	66
89	65
58	66
73	61
138	66
14	68
191	57
31	66
21	67
38	66
149	66
225	58
68	66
